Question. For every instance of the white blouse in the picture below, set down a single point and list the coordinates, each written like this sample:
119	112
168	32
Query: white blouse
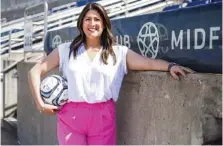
92	81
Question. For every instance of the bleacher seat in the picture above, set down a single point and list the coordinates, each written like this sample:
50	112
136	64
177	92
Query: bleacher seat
216	1
66	15
84	2
197	3
173	7
7	33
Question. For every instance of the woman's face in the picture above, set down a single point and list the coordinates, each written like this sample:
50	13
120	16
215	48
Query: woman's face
92	24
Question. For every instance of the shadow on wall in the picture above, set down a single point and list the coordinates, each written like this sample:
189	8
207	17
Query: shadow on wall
212	127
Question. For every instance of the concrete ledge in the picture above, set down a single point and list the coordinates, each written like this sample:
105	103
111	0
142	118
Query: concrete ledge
155	109
152	109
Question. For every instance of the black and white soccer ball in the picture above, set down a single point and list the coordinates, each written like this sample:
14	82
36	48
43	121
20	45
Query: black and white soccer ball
54	90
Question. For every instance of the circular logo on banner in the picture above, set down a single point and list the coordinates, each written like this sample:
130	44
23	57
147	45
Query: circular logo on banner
148	40
56	41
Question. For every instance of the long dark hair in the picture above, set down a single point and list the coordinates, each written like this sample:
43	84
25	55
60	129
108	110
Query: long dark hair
107	39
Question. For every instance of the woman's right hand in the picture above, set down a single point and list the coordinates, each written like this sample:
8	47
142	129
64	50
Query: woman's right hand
34	78
48	109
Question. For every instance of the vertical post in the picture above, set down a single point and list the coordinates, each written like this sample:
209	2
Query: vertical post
10	44
24	52
126	3
3	98
45	20
45	23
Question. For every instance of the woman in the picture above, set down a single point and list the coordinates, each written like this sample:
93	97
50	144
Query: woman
94	67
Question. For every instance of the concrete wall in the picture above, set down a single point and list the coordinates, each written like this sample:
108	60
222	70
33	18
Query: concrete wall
155	109
152	109
33	128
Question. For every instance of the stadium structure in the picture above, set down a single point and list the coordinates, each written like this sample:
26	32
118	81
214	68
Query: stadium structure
34	34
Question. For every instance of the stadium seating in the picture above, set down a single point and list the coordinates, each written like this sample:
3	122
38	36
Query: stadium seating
215	1
197	3
84	2
173	7
190	3
66	16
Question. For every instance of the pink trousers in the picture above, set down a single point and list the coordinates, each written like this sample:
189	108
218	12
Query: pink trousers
87	124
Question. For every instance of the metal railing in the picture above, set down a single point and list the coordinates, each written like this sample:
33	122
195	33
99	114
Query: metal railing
147	9
54	20
8	106
68	17
27	19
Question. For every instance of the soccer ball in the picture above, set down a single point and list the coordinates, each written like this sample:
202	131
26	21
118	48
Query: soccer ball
54	90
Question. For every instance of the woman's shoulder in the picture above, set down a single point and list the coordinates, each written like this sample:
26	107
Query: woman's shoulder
120	49
64	45
64	49
117	47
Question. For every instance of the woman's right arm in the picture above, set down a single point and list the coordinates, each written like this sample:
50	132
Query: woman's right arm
34	79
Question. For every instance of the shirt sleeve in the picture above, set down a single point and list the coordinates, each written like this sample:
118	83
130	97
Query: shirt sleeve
124	62
63	50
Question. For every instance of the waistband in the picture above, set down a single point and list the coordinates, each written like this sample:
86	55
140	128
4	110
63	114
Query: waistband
90	105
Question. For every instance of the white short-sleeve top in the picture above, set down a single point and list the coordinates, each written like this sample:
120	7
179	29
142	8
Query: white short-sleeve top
92	81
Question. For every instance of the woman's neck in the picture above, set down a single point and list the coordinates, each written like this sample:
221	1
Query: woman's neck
92	43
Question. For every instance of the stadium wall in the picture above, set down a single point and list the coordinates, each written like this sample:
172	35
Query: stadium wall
152	109
191	37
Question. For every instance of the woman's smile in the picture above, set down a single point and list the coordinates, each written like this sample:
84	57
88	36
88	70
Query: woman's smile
92	29
92	24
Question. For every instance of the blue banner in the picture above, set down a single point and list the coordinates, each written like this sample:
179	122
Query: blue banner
191	37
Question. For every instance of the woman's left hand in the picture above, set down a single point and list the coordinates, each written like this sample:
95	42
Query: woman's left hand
177	71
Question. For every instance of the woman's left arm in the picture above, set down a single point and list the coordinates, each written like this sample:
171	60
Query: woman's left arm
138	62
